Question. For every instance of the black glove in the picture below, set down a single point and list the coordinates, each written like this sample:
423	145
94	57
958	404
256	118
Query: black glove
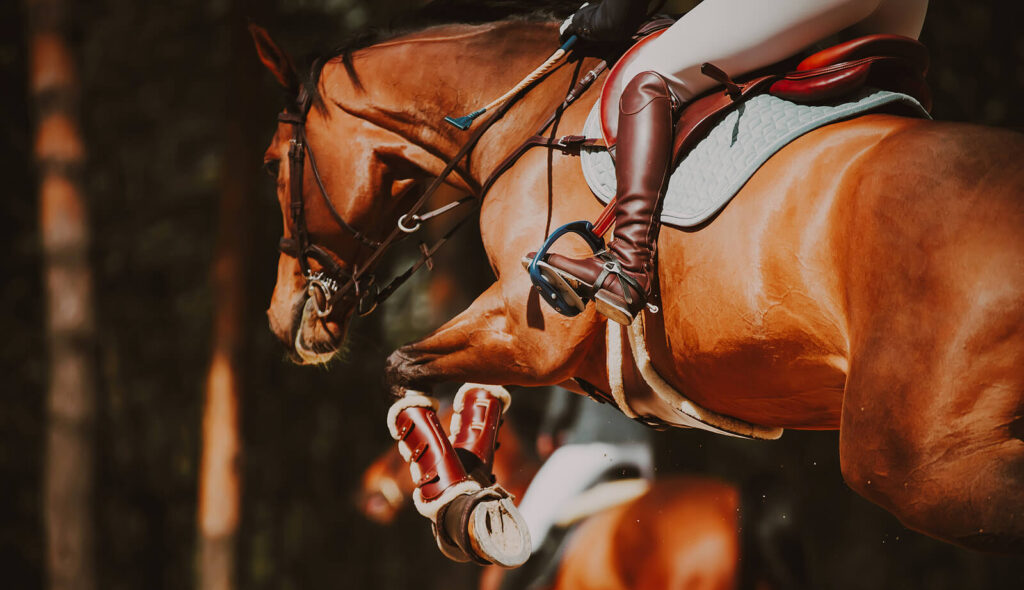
608	21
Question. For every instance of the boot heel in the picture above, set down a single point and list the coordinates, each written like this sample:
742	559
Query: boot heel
614	310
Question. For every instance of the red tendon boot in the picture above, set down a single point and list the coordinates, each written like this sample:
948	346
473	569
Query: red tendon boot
459	509
476	418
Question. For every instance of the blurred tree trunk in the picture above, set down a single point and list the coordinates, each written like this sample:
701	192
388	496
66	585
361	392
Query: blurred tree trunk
220	489
64	231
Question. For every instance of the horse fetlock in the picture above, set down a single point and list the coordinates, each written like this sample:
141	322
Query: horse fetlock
434	466
470	522
437	474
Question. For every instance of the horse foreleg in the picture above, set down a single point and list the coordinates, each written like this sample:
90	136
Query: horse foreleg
491	342
481	345
471	519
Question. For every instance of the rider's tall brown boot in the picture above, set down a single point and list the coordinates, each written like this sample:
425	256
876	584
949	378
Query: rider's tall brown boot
619	279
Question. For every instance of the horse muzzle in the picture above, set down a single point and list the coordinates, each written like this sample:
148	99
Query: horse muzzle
316	339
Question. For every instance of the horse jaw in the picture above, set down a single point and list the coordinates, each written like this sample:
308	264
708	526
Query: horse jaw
313	344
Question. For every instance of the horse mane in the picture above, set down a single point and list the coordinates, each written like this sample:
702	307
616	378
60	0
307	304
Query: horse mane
434	14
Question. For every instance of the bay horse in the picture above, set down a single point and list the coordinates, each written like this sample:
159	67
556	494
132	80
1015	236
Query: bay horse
868	278
684	532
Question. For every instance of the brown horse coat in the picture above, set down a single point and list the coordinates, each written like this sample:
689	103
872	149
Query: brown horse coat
869	277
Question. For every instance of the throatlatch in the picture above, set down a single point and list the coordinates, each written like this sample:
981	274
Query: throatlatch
472	517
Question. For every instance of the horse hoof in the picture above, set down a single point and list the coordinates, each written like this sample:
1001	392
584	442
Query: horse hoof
499	534
448	547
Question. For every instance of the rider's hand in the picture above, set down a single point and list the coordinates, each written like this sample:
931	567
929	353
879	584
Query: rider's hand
564	31
608	21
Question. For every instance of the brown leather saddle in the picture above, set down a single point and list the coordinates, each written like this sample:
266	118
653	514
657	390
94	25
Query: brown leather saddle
888	62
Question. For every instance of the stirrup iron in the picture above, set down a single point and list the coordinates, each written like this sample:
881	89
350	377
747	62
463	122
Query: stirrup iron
564	300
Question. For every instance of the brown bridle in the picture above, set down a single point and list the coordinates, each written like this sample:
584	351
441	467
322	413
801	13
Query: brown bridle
322	285
333	283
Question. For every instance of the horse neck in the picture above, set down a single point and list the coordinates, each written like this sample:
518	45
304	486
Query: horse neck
408	85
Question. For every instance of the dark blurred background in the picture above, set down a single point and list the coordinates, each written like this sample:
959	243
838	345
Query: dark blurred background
164	87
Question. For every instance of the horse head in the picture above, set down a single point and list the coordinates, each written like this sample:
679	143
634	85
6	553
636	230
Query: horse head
343	180
355	146
385	488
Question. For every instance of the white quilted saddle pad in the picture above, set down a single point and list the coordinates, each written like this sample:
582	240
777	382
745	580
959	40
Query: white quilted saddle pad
722	162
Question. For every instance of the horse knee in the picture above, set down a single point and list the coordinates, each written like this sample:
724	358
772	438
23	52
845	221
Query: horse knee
403	369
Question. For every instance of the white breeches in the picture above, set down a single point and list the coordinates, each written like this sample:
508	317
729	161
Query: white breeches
571	469
740	36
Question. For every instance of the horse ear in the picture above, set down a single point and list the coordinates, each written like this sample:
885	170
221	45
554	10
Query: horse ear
276	60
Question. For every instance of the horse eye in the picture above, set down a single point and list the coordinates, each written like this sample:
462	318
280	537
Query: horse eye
271	167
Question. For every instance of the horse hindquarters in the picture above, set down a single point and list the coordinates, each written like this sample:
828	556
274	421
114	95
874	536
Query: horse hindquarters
932	420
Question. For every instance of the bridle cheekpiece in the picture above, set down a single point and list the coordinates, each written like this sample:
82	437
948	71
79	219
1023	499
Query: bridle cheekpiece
332	283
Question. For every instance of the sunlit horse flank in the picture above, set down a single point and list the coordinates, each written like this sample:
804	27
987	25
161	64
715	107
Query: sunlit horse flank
869	277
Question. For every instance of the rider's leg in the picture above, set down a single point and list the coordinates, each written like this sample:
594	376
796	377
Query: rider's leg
619	279
740	36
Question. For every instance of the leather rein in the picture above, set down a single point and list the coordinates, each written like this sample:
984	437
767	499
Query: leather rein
333	283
